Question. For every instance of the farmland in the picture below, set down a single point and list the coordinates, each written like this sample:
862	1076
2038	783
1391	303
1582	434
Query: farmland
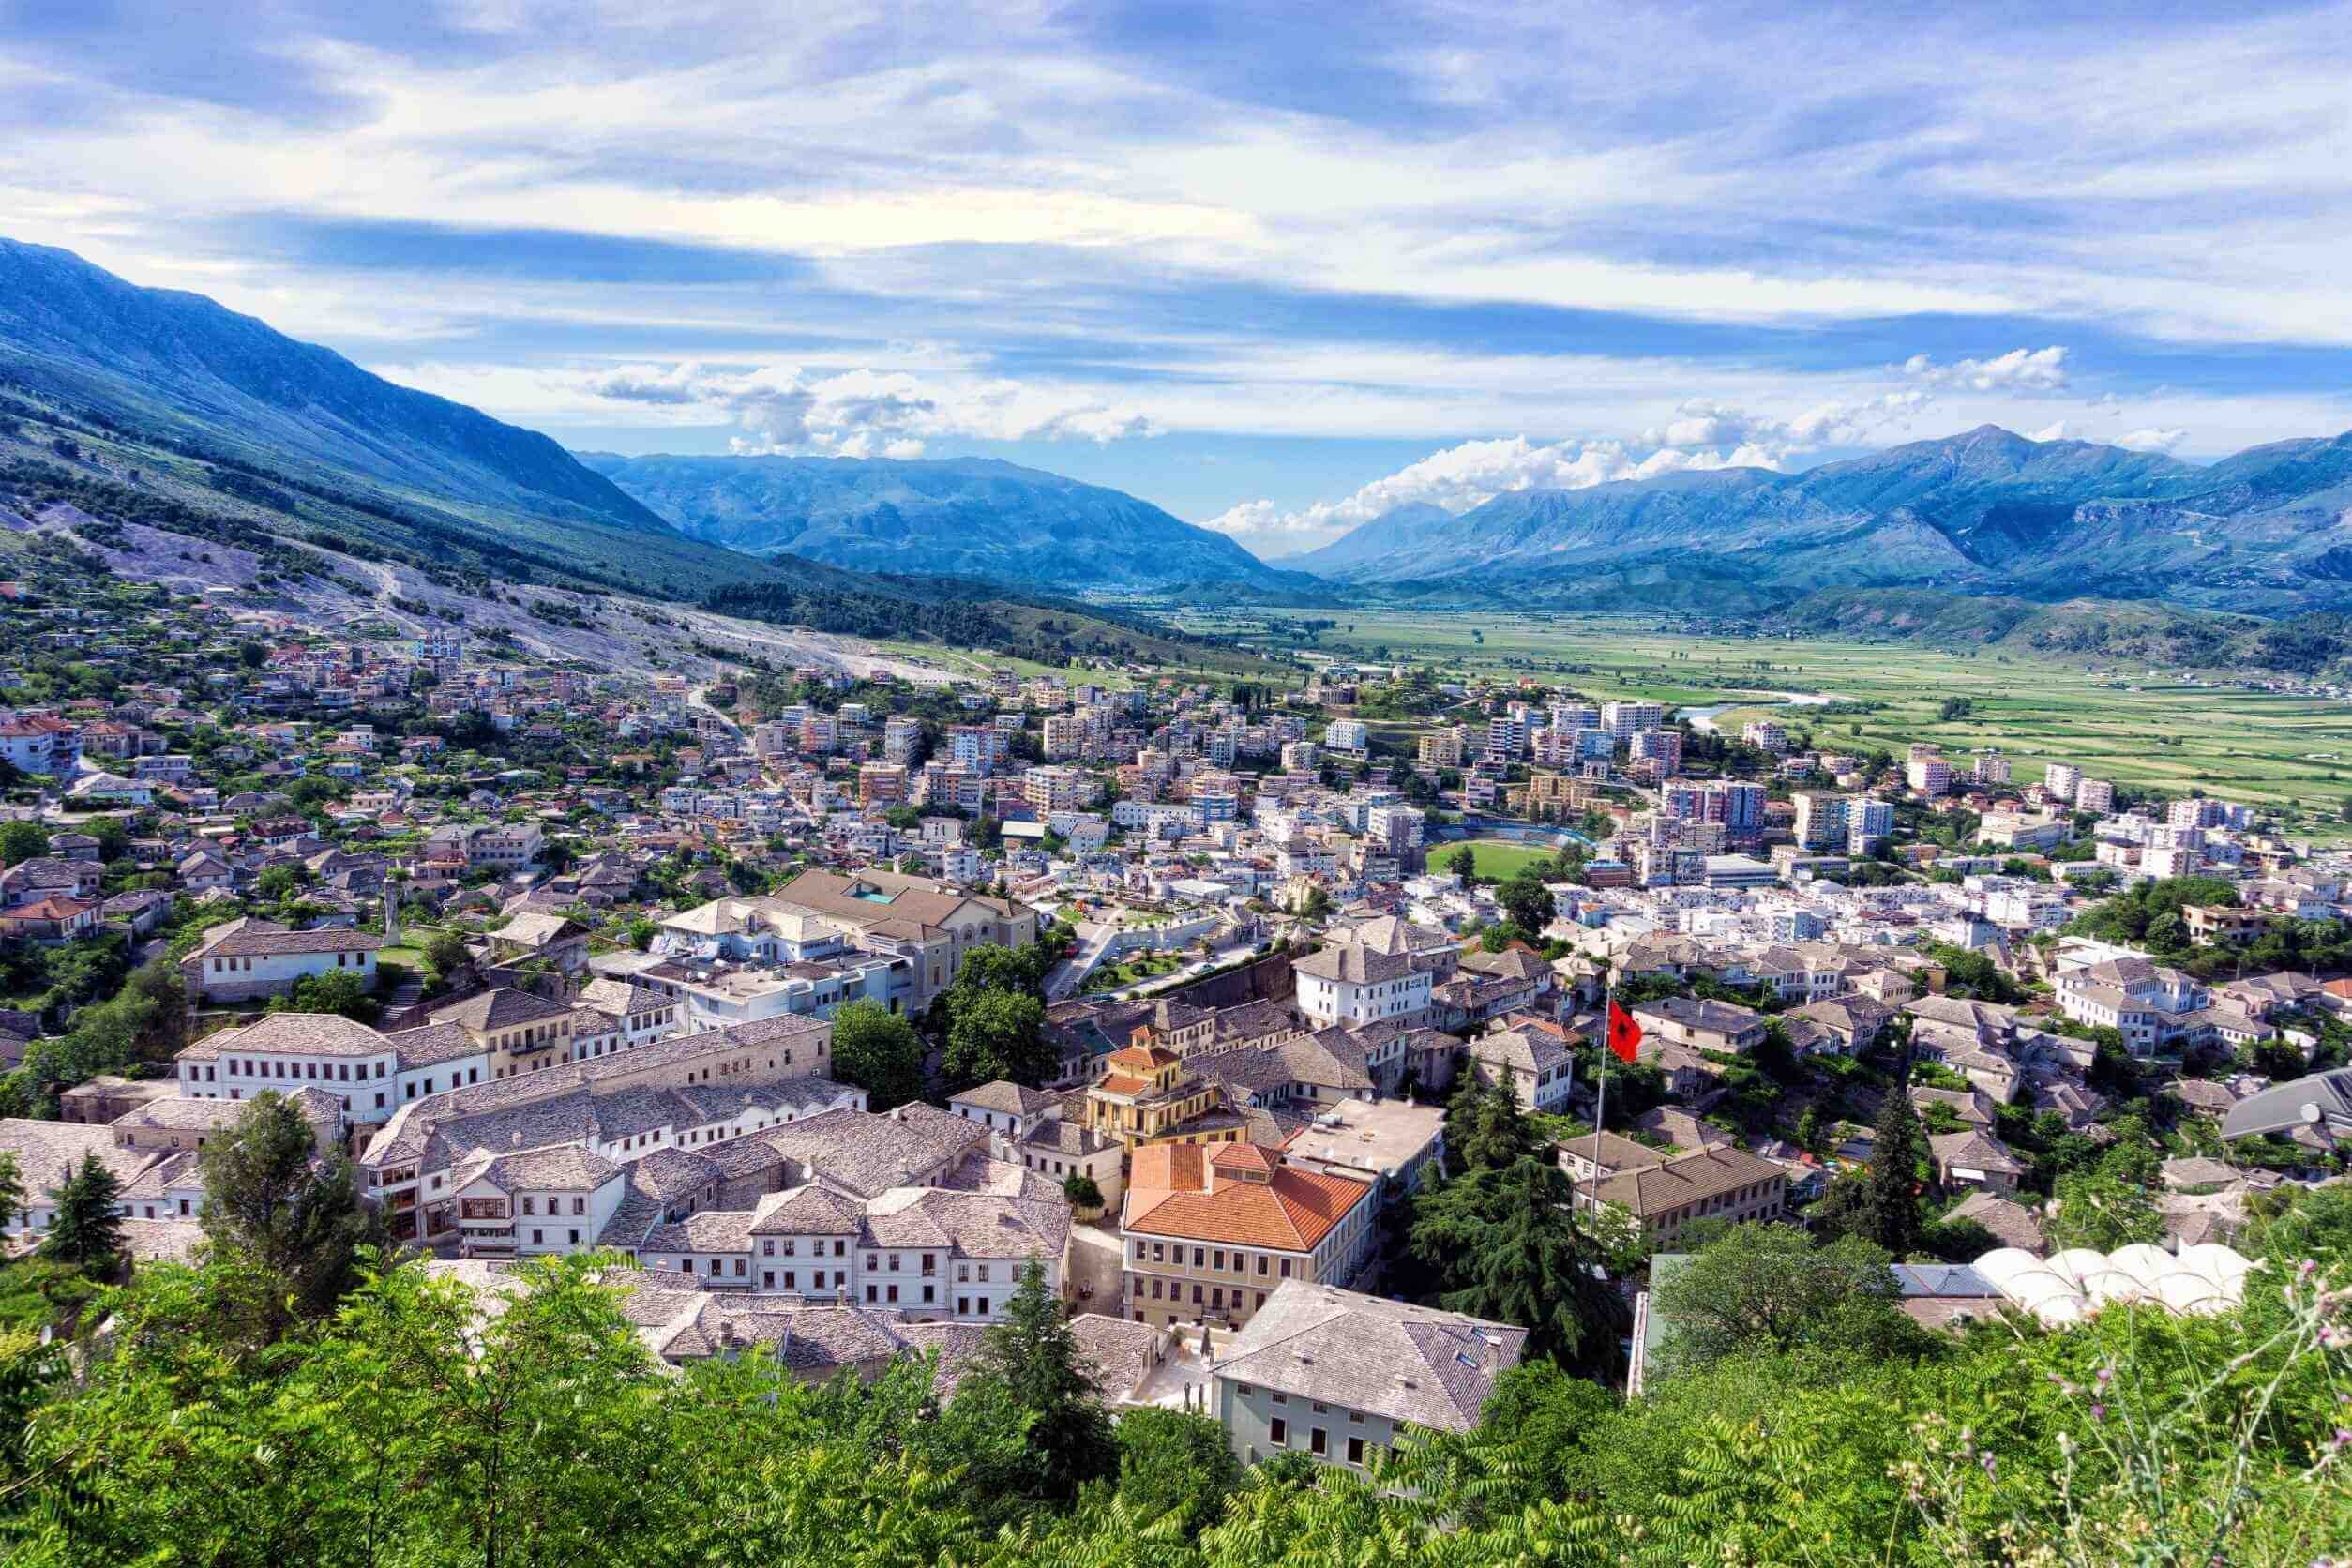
2136	726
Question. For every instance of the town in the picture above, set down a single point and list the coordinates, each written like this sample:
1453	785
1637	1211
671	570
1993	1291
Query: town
859	1013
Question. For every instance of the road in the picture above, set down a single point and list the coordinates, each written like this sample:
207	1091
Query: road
696	699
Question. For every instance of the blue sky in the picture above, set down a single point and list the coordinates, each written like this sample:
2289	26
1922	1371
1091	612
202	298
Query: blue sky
1277	268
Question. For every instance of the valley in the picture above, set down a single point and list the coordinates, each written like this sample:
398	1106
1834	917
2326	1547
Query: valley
2152	728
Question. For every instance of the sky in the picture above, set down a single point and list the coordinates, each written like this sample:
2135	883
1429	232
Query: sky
1277	268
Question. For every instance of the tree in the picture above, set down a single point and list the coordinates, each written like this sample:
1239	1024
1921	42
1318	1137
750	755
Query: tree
445	953
999	1035
1463	862
1528	902
12	1191
1890	1216
1549	1419
641	932
1505	1246
88	1232
879	1052
22	841
1768	1288
295	1219
1032	1358
1485	1129
278	884
1174	1465
1081	1190
2094	1209
993	968
1317	905
337	990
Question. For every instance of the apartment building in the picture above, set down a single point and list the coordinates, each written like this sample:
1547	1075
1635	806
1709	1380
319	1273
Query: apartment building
246	959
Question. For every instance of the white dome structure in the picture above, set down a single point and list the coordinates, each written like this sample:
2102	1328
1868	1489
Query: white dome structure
2066	1289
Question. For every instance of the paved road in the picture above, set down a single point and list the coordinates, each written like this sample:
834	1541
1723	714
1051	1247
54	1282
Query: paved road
1071	973
695	700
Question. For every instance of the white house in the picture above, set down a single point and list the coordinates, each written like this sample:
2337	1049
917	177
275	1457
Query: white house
1350	983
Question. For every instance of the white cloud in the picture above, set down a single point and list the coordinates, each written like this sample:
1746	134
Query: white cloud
2060	432
2153	440
865	412
2018	370
1837	422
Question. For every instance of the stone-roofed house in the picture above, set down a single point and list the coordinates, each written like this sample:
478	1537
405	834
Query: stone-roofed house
1700	1025
47	1154
1532	1066
1349	983
1975	1158
2007	1221
1665	1199
1337	1376
250	959
1029	1127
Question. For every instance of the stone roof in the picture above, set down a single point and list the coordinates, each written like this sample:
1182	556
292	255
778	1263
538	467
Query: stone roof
1685	1180
1006	1099
253	939
1407	1364
1352	963
2010	1222
1976	1149
1519	1051
1118	1355
502	1008
298	1034
47	1152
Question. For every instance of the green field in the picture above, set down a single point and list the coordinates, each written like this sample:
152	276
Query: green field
2259	747
1497	858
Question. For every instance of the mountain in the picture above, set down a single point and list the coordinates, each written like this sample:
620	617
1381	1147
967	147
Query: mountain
1415	526
174	396
965	517
1986	511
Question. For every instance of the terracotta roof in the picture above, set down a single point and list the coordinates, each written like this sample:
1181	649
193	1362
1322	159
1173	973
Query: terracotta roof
1292	1212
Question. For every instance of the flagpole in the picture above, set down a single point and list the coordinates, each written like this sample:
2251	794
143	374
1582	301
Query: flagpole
1600	1095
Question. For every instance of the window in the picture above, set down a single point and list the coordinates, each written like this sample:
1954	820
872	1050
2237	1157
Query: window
1355	1451
1279	1397
1317	1444
1278	1433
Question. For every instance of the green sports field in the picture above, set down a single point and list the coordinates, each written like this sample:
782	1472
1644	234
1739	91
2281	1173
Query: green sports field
1497	858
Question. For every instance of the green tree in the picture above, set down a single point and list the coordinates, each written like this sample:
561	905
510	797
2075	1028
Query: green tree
2094	1209
1485	1129
1505	1244
445	953
1881	1205
1528	902
879	1052
337	990
12	1191
999	1035
274	1206
1769	1288
1548	1420
1031	1357
278	884
993	968
1081	1190
1175	1466
86	1231
1463	862
1315	905
22	841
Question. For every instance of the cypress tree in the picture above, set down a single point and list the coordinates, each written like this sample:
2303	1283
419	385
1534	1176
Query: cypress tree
87	1234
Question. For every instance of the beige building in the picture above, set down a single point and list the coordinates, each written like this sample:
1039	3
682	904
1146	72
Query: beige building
1212	1233
1667	1197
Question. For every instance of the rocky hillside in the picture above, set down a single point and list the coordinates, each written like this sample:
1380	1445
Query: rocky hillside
1983	512
969	517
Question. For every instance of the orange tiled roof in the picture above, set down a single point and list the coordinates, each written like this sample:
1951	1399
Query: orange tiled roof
1118	1083
1143	1059
1292	1213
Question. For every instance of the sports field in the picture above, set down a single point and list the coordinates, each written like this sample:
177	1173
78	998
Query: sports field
1497	858
2130	725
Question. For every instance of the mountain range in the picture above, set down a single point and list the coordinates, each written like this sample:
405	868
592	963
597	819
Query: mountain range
964	517
1985	511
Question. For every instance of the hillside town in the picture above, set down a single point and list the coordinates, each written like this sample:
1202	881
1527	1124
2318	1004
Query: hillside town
843	1007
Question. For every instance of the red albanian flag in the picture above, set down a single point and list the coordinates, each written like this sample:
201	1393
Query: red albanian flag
1624	1034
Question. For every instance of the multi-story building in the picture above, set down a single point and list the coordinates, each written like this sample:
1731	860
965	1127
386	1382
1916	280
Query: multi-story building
1346	735
881	785
1929	774
1766	734
1626	719
1440	748
2095	794
1350	983
1824	822
1869	824
1338	1376
1661	748
1058	786
2060	780
1211	1232
1726	1183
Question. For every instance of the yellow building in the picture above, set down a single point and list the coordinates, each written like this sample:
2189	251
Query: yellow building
1150	1096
